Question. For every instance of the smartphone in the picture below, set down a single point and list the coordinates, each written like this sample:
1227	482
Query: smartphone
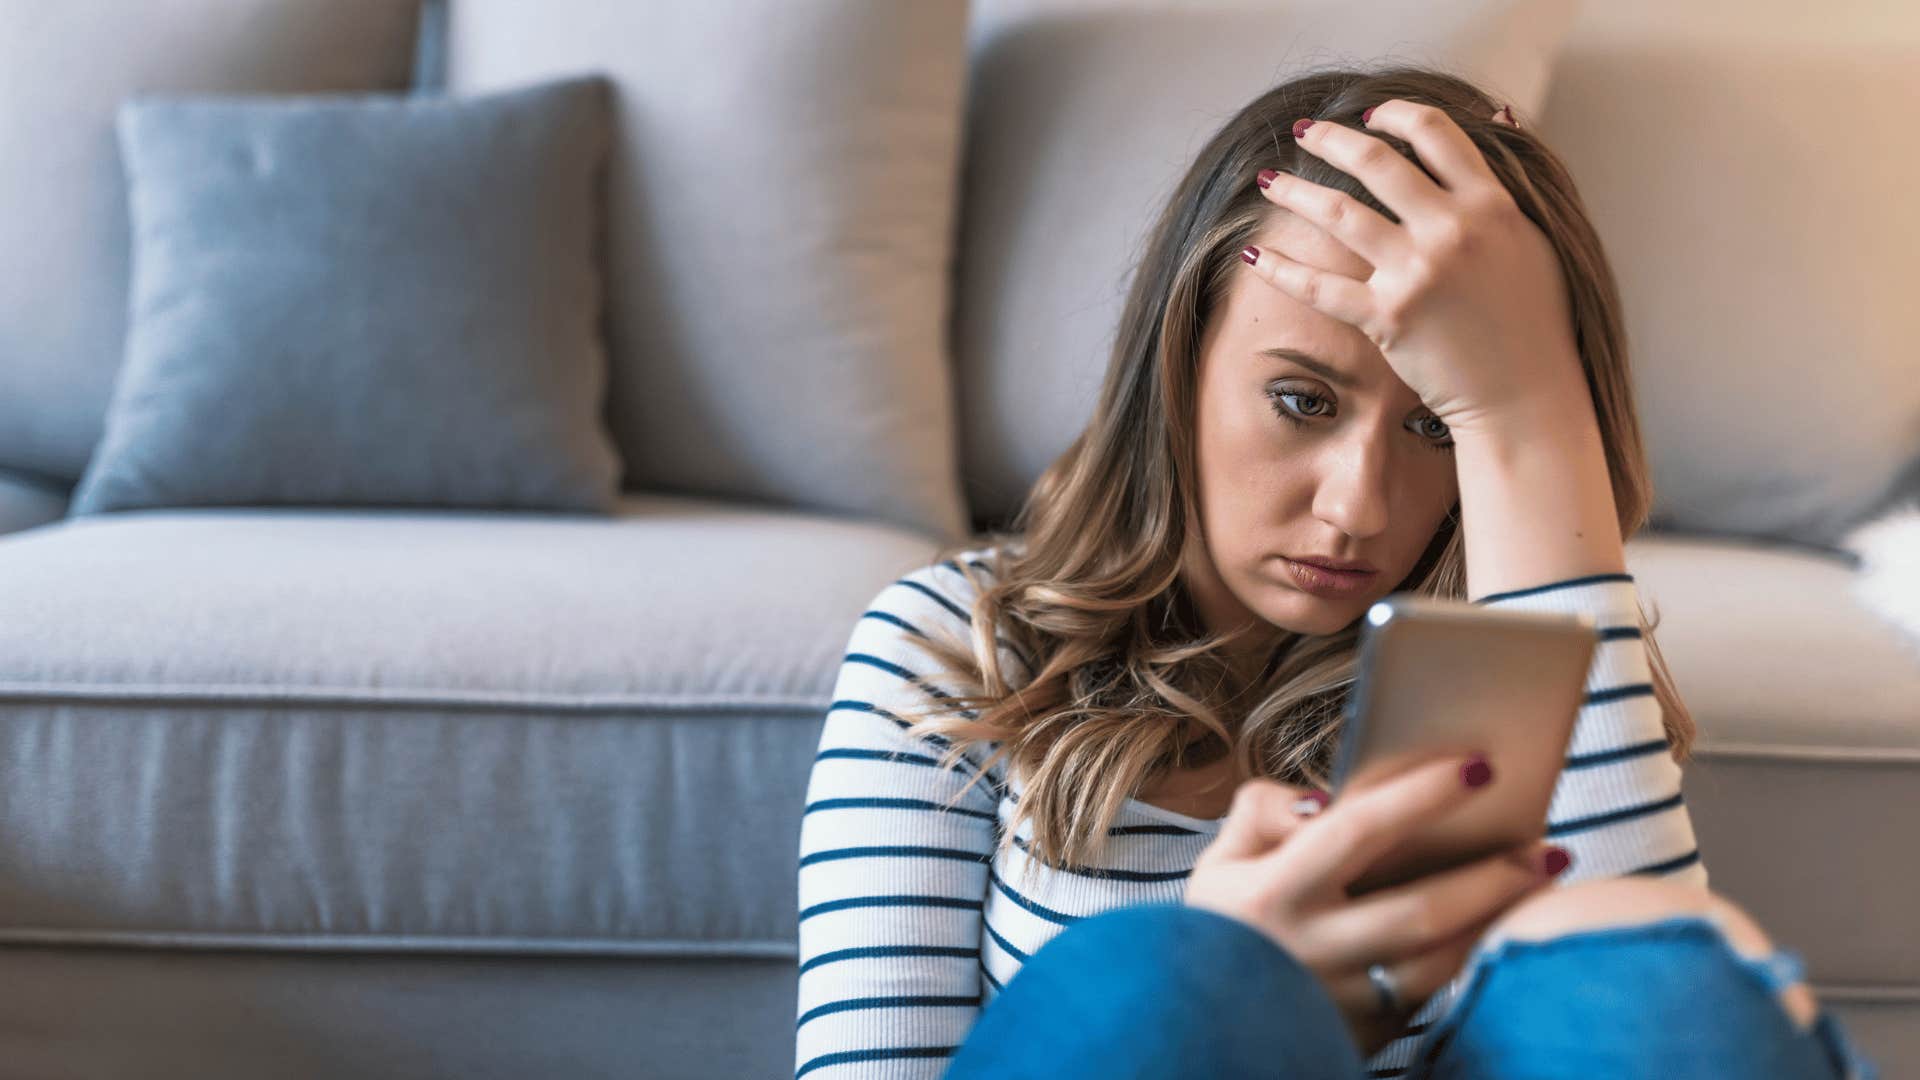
1437	677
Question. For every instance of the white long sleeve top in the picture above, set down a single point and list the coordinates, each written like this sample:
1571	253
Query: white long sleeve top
910	923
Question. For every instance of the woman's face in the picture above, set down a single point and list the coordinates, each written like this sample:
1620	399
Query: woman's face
1364	475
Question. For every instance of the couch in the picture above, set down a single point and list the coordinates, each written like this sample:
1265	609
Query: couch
311	791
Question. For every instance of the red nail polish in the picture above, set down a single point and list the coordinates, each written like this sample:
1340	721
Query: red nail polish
1367	116
1300	127
1265	178
1556	860
1251	254
1476	772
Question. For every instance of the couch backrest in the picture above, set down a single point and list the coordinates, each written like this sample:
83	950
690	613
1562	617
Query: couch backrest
63	219
1750	170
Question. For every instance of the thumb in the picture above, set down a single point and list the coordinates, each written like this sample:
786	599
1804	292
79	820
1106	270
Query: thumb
1263	814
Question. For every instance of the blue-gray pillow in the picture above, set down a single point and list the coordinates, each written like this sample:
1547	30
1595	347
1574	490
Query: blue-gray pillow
363	299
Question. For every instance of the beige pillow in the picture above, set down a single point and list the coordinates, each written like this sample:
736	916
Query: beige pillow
780	205
1083	115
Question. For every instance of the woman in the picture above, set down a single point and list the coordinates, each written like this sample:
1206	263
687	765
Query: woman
1373	327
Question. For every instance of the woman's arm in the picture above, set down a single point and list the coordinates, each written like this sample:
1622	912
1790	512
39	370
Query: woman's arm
1542	534
891	883
1536	504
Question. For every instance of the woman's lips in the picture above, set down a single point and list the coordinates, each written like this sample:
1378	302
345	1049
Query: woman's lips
1320	581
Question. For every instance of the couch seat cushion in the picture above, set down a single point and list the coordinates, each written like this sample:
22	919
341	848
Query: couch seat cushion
421	729
1805	787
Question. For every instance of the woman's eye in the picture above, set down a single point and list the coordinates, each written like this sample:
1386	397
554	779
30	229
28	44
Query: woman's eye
1317	406
1290	411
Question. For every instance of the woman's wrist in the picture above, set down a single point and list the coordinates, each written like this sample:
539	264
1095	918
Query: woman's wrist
1536	499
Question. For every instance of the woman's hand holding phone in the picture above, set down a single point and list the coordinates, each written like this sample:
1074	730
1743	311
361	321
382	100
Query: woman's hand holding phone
1286	874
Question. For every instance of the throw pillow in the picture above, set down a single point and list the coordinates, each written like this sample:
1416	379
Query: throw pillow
362	299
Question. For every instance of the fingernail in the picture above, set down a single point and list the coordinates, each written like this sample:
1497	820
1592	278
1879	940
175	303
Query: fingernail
1300	126
1556	860
1476	772
1251	254
1508	111
1311	803
1367	117
1266	177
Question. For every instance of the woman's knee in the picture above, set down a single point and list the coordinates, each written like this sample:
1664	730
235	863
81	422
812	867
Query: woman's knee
1628	901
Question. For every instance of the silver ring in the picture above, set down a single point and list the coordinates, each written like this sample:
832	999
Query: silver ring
1385	988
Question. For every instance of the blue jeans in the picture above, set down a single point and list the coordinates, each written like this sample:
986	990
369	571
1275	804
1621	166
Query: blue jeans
1165	990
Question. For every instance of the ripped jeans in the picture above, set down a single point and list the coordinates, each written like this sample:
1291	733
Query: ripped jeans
1165	990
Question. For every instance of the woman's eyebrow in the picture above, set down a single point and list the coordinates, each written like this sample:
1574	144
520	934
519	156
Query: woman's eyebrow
1314	364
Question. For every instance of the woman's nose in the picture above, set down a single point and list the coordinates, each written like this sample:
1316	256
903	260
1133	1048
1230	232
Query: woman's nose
1352	494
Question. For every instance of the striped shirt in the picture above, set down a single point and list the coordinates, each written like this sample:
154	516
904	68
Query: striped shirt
910	923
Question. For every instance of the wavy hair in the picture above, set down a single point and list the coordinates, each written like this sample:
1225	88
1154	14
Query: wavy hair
1127	685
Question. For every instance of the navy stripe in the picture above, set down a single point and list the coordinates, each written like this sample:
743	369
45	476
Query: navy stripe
1614	633
868	951
906	1001
936	596
893	851
1608	757
851	705
1112	873
889	1054
1552	586
895	669
888	616
889	901
997	986
1128	830
1381	1073
879	755
1617	693
1670	865
1003	942
1160	830
999	789
892	804
1613	817
1041	910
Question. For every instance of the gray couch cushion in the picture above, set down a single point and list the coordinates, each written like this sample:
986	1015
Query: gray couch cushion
27	501
348	300
63	225
780	238
421	729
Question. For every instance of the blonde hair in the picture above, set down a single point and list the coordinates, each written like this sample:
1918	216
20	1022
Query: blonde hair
1128	685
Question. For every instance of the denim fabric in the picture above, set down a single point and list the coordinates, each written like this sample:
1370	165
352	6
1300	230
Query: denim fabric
1166	990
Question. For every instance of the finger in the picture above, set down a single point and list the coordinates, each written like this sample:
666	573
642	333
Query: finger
1505	116
1411	918
1263	813
1446	150
1335	848
1336	295
1418	977
1353	223
1411	194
